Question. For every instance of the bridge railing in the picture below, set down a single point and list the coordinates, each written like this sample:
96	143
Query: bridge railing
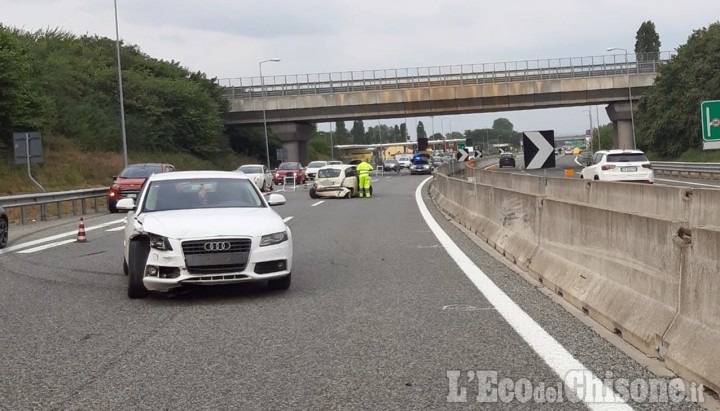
438	76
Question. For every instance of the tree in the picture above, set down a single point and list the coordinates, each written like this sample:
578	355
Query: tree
342	135
23	107
647	42
502	126
403	133
668	119
358	132
421	130
605	135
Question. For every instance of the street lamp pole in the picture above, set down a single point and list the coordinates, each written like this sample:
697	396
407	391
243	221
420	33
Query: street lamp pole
120	87
264	96
332	148
632	117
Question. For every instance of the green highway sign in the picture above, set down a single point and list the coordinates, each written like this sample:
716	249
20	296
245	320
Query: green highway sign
711	124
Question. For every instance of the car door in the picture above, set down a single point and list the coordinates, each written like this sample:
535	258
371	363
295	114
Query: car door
350	180
590	171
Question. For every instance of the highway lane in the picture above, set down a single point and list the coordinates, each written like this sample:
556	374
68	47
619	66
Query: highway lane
377	316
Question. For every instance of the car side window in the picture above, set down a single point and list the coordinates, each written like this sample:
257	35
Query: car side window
350	172
596	158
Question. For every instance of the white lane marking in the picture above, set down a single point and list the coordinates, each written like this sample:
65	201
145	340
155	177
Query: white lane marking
57	237
687	182
317	204
122	227
578	379
387	177
45	247
286	219
375	180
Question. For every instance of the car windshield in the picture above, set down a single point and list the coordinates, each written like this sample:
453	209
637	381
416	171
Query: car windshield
420	160
626	157
251	169
140	171
189	194
328	173
391	161
317	164
289	166
506	155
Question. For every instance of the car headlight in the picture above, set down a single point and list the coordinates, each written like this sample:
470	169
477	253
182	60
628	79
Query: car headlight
272	239
159	242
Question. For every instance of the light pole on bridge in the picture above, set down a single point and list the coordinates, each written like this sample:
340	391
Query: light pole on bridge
262	89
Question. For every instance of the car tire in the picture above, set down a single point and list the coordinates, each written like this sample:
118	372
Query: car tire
139	251
112	206
264	186
313	193
281	283
597	178
125	266
4	228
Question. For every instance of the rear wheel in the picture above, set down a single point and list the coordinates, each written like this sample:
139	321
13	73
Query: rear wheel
280	284
139	250
3	232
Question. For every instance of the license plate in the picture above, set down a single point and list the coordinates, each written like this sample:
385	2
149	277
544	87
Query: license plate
132	195
325	183
628	169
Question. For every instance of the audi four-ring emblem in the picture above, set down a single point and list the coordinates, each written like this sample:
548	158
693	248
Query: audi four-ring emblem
217	246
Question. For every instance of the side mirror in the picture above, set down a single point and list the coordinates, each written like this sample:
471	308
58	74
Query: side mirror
126	204
114	178
273	200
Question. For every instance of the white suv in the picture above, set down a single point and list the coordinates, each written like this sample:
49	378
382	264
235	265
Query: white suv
619	165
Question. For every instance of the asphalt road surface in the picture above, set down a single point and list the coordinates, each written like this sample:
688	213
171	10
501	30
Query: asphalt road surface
380	316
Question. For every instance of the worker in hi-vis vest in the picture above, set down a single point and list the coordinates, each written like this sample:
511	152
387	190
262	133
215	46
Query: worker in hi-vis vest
364	170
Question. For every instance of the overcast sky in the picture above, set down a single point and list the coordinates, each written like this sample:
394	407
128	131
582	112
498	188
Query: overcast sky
227	38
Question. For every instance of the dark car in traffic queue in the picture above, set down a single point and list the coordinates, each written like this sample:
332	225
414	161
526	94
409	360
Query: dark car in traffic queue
392	165
4	227
506	160
129	182
421	164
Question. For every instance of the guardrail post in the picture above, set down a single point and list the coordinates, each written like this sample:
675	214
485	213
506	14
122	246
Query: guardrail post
83	206
59	210
43	212
23	215
95	203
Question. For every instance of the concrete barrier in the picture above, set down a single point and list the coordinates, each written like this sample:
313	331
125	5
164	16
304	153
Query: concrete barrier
692	340
642	260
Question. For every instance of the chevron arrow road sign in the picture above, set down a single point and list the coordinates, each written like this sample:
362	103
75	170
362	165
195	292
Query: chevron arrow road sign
463	154
539	149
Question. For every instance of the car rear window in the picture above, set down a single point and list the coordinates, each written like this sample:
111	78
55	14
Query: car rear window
289	166
626	158
140	172
251	169
317	164
328	173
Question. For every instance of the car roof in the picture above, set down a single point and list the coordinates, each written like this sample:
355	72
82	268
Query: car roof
183	175
251	165
621	151
338	166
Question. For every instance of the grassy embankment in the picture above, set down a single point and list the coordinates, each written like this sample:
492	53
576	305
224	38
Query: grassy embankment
67	167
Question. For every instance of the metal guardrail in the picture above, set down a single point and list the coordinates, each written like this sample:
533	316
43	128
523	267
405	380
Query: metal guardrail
42	200
464	74
700	169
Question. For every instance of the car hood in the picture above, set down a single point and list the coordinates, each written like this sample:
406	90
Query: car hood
212	222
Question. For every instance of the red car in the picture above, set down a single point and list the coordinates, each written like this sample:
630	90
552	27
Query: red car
129	182
285	168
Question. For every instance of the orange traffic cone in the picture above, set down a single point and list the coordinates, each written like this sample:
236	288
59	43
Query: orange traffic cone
81	232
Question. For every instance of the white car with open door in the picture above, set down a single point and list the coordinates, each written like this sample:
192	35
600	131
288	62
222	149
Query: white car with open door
337	181
204	228
618	165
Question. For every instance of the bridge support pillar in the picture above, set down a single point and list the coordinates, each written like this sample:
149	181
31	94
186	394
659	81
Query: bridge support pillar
619	114
294	138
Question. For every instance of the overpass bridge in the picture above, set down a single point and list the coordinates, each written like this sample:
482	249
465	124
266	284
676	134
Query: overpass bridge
294	102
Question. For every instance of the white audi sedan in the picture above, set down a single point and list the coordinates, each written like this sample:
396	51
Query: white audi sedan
204	228
258	173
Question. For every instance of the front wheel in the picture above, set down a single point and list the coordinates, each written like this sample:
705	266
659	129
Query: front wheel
112	206
280	284
313	193
4	227
139	250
